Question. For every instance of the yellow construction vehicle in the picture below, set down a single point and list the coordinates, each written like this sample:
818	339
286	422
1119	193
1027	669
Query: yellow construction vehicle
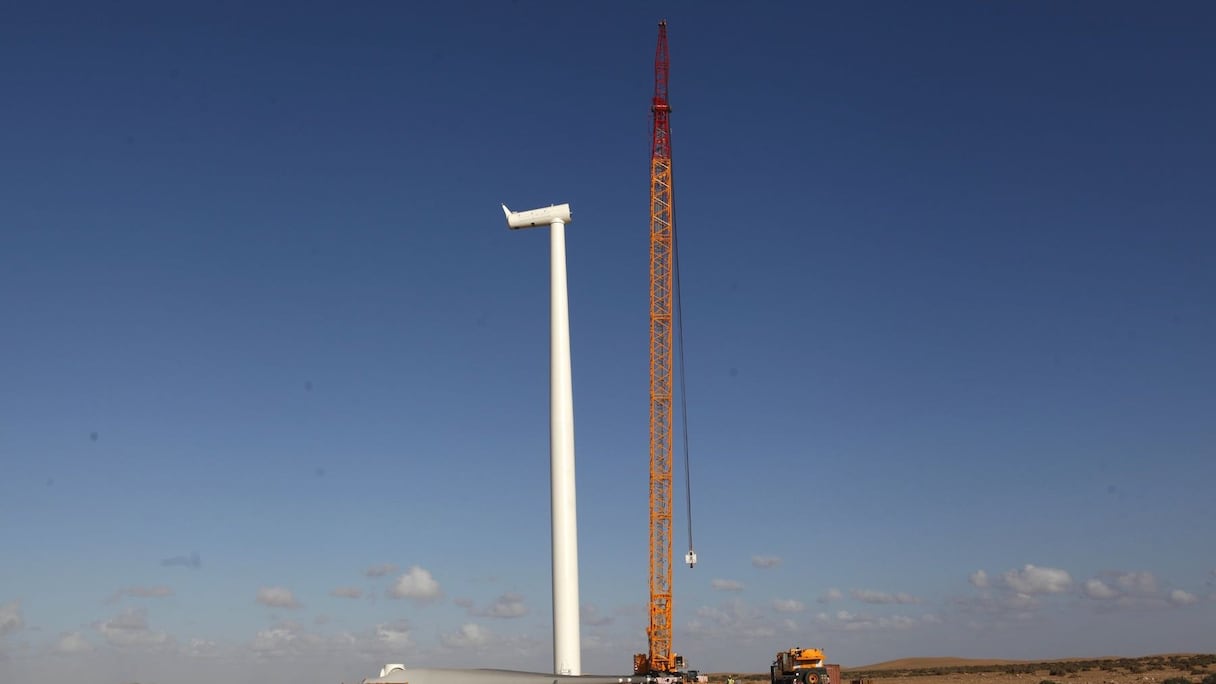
799	666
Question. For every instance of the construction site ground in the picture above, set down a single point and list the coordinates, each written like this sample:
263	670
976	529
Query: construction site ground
1194	668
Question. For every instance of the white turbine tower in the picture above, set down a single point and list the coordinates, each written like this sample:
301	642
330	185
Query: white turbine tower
566	648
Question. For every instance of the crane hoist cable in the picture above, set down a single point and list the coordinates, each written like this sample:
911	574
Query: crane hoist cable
691	556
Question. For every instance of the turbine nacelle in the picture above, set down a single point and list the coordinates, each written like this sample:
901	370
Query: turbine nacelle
537	217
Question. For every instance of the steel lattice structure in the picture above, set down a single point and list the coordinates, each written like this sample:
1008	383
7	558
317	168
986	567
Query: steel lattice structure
662	219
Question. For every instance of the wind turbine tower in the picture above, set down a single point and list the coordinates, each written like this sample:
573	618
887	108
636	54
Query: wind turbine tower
566	648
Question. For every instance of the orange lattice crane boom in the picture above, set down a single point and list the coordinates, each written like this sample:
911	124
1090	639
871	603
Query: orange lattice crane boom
663	264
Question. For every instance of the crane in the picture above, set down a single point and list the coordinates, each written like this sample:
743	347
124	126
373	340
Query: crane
664	283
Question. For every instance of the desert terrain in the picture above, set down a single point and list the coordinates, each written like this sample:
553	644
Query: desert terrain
1155	669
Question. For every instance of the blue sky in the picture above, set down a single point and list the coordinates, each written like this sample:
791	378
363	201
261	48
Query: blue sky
275	373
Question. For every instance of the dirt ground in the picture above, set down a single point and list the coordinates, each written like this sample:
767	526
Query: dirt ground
1088	677
1194	668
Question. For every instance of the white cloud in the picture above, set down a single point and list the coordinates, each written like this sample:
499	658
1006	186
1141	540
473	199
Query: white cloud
10	618
590	616
1097	589
766	561
192	561
469	635
201	648
1137	582
1021	601
509	605
744	633
852	622
291	640
879	597
277	597
417	583
726	585
1179	597
788	606
288	639
789	625
276	641
149	592
597	643
897	622
714	613
1125	590
1032	579
159	591
734	619
394	636
380	570
1002	606
347	592
72	642
830	595
130	628
979	579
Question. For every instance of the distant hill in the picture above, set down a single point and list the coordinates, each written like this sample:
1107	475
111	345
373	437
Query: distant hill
944	662
1195	663
921	663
